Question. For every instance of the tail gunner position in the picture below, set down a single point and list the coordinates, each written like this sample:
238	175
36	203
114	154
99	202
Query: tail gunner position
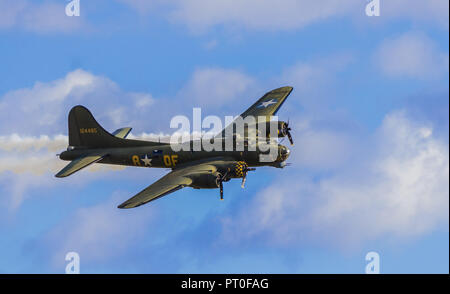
90	143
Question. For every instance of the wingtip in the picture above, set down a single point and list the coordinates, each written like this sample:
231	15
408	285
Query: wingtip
283	89
126	205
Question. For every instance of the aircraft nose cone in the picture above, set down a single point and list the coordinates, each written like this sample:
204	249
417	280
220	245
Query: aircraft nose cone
284	153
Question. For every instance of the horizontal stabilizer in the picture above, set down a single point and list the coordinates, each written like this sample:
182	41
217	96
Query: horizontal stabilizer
122	133
79	163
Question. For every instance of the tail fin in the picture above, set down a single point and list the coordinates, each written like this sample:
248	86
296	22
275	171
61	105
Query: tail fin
85	131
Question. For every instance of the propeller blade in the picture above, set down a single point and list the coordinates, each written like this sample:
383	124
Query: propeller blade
221	179
243	181
244	178
290	138
287	132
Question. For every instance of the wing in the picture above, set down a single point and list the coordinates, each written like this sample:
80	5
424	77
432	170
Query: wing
173	181
79	163
166	185
266	106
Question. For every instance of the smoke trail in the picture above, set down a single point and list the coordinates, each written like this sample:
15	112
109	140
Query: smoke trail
37	154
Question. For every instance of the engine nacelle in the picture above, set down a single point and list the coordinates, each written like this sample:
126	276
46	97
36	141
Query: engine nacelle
234	170
280	128
238	169
206	181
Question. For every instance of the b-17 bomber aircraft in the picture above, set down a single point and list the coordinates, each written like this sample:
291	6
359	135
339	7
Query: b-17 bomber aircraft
89	143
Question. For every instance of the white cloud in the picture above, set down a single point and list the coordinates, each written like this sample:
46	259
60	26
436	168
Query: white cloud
144	6
396	185
210	45
314	80
257	14
411	55
43	109
216	86
268	15
321	149
9	11
198	15
432	11
46	17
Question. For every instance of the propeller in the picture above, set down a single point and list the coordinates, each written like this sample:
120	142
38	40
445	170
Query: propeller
244	177
220	180
287	132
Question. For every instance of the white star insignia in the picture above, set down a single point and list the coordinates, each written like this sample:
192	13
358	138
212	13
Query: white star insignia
267	103
146	160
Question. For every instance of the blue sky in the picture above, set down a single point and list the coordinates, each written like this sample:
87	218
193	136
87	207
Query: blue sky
370	167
